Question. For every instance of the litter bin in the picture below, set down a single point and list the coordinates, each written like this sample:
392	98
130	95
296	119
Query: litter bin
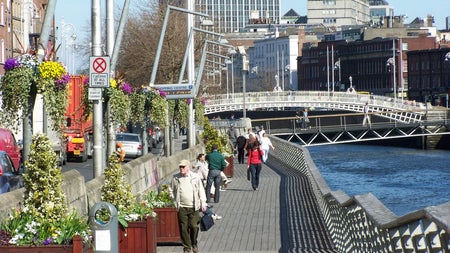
104	223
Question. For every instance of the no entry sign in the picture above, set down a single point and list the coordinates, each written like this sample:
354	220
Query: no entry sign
99	72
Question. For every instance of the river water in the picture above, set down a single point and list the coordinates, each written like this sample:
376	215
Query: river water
403	179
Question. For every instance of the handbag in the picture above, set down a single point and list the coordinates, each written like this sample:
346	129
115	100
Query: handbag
206	222
248	175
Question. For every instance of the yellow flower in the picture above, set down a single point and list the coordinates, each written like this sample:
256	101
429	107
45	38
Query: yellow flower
112	82
51	70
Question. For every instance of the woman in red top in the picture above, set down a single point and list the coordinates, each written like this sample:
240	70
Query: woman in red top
254	163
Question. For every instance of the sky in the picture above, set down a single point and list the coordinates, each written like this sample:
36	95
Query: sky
78	13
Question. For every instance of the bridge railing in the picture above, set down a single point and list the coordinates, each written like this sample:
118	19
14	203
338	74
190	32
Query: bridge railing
362	223
406	111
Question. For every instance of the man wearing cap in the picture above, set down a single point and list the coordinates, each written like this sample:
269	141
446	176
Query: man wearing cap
189	196
216	164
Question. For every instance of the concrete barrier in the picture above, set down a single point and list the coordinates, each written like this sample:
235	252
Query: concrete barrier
143	174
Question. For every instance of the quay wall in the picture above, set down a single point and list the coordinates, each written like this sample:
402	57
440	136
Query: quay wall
361	223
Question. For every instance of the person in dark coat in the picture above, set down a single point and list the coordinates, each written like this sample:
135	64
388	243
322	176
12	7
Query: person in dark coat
240	145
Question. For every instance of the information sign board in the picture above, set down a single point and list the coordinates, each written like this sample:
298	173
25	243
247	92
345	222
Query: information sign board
177	91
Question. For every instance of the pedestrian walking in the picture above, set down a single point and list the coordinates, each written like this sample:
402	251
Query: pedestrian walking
216	164
366	119
254	163
201	168
266	144
240	145
189	198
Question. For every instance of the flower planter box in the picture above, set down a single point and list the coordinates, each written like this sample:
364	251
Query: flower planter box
167	229
76	247
139	236
229	170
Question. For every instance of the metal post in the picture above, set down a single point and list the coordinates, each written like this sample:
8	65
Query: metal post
244	77
332	62
98	108
191	73
110	135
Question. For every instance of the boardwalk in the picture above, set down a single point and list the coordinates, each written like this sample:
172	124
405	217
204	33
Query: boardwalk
281	216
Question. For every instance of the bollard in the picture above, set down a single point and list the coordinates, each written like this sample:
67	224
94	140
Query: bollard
105	232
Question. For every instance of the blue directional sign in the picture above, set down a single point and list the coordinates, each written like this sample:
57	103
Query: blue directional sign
177	91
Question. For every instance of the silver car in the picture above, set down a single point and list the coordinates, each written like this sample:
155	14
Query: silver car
132	144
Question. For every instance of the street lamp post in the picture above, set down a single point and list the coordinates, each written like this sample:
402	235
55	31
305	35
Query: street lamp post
232	52
391	63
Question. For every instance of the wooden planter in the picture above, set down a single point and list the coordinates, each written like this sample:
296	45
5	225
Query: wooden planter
167	229
139	236
76	247
229	170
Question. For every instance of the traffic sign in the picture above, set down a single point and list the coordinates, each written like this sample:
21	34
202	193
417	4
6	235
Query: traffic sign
177	91
99	71
95	94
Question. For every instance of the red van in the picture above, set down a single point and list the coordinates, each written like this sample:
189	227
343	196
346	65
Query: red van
9	144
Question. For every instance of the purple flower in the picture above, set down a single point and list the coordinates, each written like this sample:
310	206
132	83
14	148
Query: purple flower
48	241
86	81
203	101
188	101
162	93
126	88
62	81
11	63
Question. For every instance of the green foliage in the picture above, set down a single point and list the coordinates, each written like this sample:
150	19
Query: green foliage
199	111
120	106
44	218
137	104
211	136
15	87
115	189
161	198
43	192
157	107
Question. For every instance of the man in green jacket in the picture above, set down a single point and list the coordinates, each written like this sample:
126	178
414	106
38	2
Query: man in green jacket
216	164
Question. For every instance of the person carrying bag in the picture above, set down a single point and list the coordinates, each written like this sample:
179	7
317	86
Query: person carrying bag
254	163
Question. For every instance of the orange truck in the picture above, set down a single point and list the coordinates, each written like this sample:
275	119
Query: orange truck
78	130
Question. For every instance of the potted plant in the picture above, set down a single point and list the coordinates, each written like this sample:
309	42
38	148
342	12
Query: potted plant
136	218
167	229
44	224
210	137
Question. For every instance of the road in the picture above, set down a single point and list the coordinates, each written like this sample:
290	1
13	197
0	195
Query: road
87	169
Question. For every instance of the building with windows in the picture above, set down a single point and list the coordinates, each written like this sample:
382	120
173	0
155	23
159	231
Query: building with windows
229	16
273	61
335	13
20	27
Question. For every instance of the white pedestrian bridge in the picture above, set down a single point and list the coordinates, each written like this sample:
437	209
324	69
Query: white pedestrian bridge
397	109
391	118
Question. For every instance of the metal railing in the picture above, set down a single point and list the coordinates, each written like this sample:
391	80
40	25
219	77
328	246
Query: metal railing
405	110
362	223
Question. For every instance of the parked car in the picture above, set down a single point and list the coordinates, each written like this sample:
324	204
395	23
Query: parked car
10	178
9	144
132	144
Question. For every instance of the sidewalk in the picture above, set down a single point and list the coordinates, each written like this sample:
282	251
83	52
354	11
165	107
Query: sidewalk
281	216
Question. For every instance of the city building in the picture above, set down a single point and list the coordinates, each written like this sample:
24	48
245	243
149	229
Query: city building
336	13
273	62
20	26
229	16
429	76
